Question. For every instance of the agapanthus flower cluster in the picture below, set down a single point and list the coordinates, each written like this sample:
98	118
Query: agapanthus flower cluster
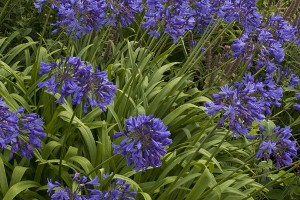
244	102
285	77
282	30
144	143
178	17
81	17
262	43
297	105
297	26
76	16
123	11
71	76
23	132
173	17
83	189
278	147
203	14
265	44
270	48
118	189
242	11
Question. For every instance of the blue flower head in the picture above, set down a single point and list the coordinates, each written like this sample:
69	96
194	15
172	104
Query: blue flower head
265	41
145	140
118	189
77	17
172	17
278	147
23	132
244	102
38	4
72	77
297	105
9	127
83	190
244	12
286	77
123	11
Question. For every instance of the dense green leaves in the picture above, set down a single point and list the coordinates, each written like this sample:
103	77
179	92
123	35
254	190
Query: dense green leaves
154	77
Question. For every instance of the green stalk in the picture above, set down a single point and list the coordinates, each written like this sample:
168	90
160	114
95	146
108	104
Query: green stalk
195	56
128	87
198	46
139	30
100	42
200	134
248	145
65	141
283	110
99	166
198	57
36	65
216	151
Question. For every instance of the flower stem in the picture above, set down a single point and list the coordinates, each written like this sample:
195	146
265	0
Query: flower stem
65	141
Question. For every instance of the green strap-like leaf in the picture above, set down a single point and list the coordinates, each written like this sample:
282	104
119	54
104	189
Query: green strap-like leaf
84	163
175	113
201	185
17	174
133	183
146	196
3	179
185	180
18	188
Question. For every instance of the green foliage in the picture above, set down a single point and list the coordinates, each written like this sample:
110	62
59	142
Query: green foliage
20	16
203	162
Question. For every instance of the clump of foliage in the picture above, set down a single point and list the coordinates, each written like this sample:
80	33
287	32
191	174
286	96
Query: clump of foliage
154	99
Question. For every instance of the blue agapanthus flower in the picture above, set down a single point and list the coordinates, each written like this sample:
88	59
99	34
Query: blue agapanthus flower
244	12
244	102
172	17
84	189
77	17
297	105
123	11
9	127
23	132
278	147
266	42
72	77
38	4
118	189
283	31
145	141
286	77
